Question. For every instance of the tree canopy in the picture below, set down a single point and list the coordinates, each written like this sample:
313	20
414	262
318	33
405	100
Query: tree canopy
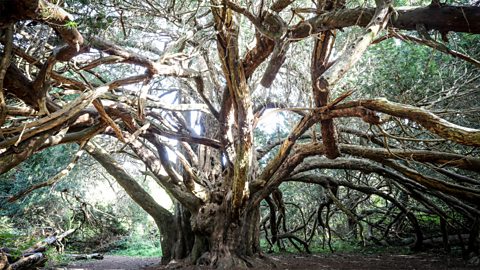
226	102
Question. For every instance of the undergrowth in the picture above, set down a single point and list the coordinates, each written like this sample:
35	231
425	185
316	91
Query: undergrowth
139	246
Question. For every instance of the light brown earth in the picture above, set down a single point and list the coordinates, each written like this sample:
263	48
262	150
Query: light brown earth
337	261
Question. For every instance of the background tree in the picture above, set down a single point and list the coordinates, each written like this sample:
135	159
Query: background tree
179	84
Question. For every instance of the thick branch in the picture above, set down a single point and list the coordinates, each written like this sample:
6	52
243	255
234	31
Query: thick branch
443	19
133	189
443	159
239	92
435	124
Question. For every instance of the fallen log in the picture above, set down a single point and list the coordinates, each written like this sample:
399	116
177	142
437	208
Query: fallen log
28	262
96	256
51	240
33	256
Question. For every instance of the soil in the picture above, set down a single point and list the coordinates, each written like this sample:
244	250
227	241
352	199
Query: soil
111	262
340	261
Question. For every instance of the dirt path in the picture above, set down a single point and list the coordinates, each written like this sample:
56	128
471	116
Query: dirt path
111	262
345	261
337	261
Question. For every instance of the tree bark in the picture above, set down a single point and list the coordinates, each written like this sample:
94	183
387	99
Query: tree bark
443	19
233	242
163	218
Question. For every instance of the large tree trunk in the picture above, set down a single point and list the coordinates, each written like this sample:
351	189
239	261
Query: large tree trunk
233	240
185	240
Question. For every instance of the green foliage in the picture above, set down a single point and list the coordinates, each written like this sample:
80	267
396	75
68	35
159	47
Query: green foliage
71	24
406	72
14	238
139	245
55	258
63	206
35	209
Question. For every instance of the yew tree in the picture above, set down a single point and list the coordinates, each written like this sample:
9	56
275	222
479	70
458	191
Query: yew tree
183	86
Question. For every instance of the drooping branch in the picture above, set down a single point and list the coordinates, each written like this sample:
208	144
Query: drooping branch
133	189
416	190
460	192
430	121
54	119
443	159
440	158
9	160
468	194
14	156
63	115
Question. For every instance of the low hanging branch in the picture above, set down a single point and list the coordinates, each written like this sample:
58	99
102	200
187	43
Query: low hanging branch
468	194
327	182
61	116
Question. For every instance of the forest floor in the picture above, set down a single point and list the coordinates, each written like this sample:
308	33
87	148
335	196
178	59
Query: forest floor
341	261
111	262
